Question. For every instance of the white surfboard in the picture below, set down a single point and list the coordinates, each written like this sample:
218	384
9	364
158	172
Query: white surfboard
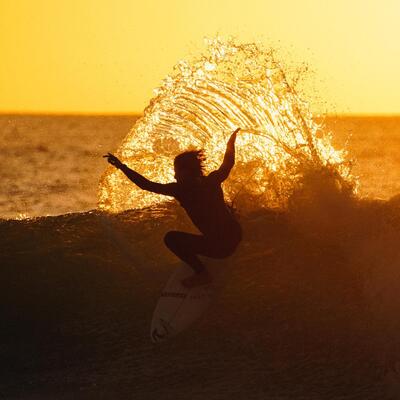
178	307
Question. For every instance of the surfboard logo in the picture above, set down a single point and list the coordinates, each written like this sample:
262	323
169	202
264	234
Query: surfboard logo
174	294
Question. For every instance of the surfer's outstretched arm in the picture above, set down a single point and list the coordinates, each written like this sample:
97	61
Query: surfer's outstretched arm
167	189
229	160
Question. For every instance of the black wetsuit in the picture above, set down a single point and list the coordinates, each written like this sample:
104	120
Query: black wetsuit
203	200
205	205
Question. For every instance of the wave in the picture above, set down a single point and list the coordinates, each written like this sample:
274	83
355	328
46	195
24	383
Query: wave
310	305
230	85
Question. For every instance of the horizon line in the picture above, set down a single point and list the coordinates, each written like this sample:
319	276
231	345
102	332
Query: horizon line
138	114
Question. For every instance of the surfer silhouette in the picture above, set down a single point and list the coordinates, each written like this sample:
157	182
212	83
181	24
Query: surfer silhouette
203	200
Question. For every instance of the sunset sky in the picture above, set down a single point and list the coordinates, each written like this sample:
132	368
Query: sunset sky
106	56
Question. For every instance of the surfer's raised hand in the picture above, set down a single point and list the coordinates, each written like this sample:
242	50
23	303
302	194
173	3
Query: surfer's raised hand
233	136
223	171
113	160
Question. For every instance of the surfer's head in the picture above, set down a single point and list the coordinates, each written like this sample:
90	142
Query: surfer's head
189	165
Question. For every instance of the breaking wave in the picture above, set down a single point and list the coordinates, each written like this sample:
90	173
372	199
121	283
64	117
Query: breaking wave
231	85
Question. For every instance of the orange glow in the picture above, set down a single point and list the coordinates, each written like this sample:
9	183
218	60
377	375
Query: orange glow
102	56
230	85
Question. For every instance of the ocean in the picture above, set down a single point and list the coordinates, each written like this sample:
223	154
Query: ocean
52	164
310	310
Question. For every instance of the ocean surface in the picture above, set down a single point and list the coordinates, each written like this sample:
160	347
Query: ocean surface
52	164
311	310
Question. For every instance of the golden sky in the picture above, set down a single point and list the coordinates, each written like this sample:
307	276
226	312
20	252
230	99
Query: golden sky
108	55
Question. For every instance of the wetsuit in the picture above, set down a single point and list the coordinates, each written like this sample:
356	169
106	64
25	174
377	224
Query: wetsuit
203	201
221	233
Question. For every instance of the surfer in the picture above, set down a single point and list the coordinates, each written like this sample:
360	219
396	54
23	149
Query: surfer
203	200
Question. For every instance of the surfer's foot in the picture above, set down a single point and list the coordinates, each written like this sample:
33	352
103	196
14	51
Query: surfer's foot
198	279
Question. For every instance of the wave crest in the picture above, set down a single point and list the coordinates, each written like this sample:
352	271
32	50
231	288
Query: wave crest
230	85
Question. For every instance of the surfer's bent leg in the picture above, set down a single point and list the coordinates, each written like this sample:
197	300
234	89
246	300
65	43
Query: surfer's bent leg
186	246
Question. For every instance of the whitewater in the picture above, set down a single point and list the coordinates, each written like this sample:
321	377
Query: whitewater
310	309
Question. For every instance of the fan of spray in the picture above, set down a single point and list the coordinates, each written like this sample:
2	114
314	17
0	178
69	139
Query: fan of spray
198	106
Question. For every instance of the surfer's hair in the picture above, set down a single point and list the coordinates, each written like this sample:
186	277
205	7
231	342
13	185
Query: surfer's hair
191	160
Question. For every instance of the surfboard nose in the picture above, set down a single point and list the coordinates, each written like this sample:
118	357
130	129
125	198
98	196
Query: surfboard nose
160	331
156	336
